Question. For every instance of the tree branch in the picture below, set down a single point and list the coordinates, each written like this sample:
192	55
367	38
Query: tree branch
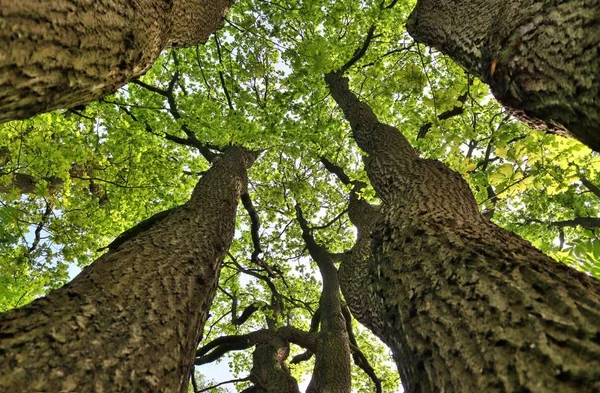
359	358
359	53
590	186
336	170
40	227
586	222
153	89
220	346
333	221
224	383
191	140
221	76
254	228
455	111
302	357
247	313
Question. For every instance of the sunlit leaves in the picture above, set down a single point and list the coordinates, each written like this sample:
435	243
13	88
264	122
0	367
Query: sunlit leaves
259	83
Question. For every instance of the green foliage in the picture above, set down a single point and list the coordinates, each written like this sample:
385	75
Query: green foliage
260	84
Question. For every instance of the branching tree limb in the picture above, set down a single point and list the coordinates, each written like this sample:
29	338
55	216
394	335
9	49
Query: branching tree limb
455	111
220	346
590	186
221	384
332	363
191	140
40	226
359	358
255	228
359	53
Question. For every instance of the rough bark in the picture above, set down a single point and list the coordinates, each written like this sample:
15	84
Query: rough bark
220	346
540	58
355	267
270	373
64	53
331	373
468	306
130	322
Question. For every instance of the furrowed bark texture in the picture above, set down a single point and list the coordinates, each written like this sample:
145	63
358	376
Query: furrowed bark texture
468	306
130	322
270	373
355	268
64	53
540	58
331	373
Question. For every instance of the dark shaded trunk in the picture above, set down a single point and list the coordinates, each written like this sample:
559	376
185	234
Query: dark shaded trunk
60	54
132	319
540	58
270	373
467	306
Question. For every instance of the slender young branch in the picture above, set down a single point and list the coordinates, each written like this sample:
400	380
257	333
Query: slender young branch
267	280
585	222
149	87
333	221
336	170
391	5
40	226
208	87
221	76
193	379
247	313
359	358
224	383
191	139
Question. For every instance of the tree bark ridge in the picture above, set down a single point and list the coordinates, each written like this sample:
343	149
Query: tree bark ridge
540	58
467	306
65	53
132	319
331	373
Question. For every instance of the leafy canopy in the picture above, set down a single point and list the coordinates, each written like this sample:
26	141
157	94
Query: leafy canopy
72	180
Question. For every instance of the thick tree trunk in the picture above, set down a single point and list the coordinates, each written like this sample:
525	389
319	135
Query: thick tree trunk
64	53
270	373
540	58
468	306
130	322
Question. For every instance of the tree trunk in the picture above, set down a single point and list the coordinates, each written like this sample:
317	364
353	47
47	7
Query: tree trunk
467	306
355	267
130	322
331	373
540	58
270	373
60	54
